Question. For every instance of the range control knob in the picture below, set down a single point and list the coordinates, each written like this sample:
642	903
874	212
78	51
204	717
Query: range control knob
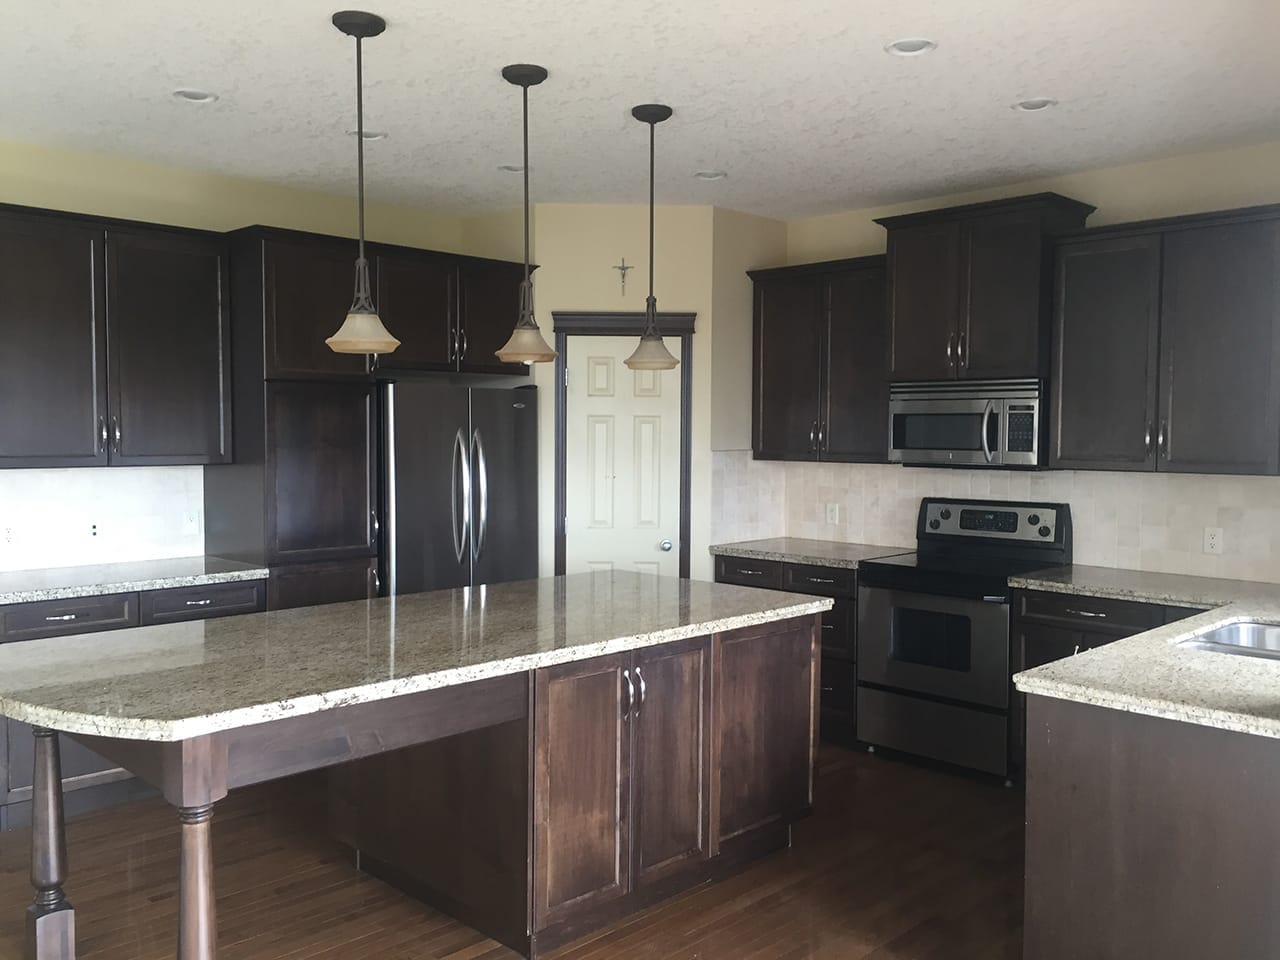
1033	519
1045	531
934	524
945	514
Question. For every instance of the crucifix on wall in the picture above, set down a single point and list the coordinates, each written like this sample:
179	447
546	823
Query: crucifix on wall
622	269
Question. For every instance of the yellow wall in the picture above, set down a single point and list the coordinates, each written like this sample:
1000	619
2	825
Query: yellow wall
1192	183
135	190
499	234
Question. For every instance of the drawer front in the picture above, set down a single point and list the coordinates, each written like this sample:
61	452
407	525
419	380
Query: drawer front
823	581
837	630
1094	614
202	603
749	573
60	618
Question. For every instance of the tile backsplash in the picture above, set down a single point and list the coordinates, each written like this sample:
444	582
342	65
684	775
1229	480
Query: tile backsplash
1141	521
61	518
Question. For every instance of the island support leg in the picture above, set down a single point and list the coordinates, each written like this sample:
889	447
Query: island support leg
197	924
51	920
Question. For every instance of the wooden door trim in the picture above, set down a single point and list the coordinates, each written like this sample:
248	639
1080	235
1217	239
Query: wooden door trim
566	324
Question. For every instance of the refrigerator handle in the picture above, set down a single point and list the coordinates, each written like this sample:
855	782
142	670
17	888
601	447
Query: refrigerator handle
461	463
482	466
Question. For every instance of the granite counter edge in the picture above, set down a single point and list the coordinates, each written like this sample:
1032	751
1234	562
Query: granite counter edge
131	586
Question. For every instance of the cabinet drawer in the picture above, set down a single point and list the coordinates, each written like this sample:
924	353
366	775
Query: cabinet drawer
749	573
837	630
202	603
1094	614
58	618
823	581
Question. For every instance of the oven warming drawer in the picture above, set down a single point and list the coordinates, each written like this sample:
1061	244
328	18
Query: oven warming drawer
967	738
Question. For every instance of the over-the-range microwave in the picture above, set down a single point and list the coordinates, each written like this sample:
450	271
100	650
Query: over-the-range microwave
974	423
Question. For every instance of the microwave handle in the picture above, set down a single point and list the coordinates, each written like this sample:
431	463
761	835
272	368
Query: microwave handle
986	421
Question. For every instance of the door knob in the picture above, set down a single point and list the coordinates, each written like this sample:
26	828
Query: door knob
665	546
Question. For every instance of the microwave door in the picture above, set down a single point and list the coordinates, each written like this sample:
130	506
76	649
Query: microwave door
961	431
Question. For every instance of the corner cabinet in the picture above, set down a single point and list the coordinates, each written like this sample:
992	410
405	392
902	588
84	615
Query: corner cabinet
1166	348
117	343
819	386
969	288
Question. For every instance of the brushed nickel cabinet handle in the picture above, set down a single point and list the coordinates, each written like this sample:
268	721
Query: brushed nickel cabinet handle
1163	439
115	433
644	690
631	694
962	349
1087	613
818	580
199	603
65	617
750	573
951	340
103	437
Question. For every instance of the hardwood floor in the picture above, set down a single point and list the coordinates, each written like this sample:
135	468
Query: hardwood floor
900	862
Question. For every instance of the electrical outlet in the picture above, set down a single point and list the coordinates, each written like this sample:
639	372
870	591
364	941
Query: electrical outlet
1213	540
833	513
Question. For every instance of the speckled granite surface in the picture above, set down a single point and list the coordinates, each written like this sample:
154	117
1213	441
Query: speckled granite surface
177	681
1150	673
825	553
61	583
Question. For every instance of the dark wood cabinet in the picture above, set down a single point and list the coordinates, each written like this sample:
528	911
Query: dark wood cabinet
766	703
1220	349
819	388
209	602
969	288
488	307
73	615
313	584
1105	353
416	297
320	471
169	338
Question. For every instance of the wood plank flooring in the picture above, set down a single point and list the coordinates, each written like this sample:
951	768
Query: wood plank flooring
900	862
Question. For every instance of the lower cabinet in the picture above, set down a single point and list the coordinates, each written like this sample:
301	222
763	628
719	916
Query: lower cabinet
312	584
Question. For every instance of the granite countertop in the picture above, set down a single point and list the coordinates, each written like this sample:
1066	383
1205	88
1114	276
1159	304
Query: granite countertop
172	682
1149	673
825	553
62	583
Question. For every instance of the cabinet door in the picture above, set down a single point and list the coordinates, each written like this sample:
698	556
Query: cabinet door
1005	285
53	370
924	301
764	726
307	291
1220	349
582	772
1105	354
416	302
488	307
788	355
168	341
855	389
319	471
670	778
313	584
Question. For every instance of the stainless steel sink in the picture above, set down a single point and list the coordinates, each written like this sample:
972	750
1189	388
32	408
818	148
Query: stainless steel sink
1241	639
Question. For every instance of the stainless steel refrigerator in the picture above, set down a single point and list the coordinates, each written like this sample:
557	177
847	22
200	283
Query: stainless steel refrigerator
459	499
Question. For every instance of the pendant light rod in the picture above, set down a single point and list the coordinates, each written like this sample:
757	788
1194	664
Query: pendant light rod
360	139
651	354
524	91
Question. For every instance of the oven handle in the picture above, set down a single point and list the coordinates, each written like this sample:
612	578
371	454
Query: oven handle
986	419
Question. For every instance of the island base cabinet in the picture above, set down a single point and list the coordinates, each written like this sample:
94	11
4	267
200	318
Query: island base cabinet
1148	837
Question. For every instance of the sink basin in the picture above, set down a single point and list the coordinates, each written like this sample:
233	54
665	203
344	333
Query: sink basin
1241	639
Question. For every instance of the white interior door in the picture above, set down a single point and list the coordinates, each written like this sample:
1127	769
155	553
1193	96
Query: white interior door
622	460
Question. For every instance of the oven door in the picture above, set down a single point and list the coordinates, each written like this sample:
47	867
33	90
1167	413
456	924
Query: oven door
948	647
954	430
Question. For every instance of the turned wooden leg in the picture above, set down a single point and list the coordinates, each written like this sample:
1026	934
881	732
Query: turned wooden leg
51	921
197	927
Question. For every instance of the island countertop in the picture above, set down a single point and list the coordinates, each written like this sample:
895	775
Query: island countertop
178	681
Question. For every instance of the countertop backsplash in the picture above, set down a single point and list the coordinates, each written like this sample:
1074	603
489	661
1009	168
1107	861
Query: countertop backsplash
1137	521
77	517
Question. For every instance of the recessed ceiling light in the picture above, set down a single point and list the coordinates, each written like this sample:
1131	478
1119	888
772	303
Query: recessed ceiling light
194	96
910	47
1035	104
710	175
370	134
511	167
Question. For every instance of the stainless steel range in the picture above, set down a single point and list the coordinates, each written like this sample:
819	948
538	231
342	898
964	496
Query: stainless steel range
933	628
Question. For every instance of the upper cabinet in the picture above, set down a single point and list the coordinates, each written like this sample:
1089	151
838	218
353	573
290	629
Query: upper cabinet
116	344
1167	347
969	288
819	388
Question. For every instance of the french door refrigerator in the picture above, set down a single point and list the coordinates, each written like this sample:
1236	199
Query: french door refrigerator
459	499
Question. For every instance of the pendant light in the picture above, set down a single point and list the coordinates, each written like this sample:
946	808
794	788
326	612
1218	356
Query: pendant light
526	344
362	331
651	353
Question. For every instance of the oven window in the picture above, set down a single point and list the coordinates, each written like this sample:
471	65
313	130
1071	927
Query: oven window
937	431
931	639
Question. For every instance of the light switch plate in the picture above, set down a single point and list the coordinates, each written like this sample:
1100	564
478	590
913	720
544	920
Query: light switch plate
833	513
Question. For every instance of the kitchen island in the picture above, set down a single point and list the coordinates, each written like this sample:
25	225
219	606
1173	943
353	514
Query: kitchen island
605	740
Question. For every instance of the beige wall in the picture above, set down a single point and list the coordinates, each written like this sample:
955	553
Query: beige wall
499	234
135	190
740	242
1192	183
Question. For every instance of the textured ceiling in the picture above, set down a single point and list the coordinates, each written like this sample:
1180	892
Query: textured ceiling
795	99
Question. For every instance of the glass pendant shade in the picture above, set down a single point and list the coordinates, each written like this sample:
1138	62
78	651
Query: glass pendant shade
651	354
362	332
526	345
